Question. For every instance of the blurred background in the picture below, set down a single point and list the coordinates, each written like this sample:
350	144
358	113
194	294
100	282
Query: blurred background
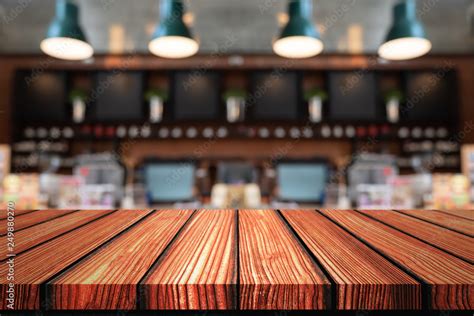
346	26
240	104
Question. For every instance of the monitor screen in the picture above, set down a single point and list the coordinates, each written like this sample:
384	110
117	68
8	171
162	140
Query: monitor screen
275	96
196	95
236	173
118	96
352	96
169	181
302	182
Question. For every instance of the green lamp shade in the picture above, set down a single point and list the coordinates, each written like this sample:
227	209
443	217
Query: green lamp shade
406	38
65	39
172	38
299	38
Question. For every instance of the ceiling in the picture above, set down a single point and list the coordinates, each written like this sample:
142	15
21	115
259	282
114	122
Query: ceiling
243	26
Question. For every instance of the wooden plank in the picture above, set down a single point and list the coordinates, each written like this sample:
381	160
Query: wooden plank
275	270
4	213
364	279
38	265
107	280
31	219
450	280
456	223
32	236
451	241
467	214
199	270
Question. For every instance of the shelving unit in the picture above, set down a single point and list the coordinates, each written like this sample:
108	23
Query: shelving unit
125	126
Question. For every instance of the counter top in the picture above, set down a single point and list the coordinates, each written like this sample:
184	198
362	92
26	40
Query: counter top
238	260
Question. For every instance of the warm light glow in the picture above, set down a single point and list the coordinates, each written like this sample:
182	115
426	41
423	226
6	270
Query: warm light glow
404	48
282	18
355	39
66	48
188	19
116	39
297	47
173	47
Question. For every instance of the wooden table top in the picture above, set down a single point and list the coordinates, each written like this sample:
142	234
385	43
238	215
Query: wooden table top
237	260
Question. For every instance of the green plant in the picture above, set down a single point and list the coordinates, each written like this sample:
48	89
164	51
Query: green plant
394	94
160	93
77	94
234	93
316	92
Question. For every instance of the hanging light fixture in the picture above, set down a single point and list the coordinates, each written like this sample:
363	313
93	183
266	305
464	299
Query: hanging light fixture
299	38
406	38
172	38
65	39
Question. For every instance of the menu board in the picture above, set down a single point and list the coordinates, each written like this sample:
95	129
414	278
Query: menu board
353	96
196	95
41	96
275	96
430	96
118	96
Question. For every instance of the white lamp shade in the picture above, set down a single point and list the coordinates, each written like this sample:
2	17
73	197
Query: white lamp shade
404	48
173	47
298	47
66	48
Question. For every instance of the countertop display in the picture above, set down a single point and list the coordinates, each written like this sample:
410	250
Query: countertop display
237	260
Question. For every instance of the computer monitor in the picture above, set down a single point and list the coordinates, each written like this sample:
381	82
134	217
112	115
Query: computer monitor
236	173
302	182
168	182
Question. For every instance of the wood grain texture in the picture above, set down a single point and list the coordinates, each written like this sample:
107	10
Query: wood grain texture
199	270
450	280
4	213
467	214
108	279
453	222
35	267
33	218
34	235
248	260
275	270
364	279
451	241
